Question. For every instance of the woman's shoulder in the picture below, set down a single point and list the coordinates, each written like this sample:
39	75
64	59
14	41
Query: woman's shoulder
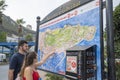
28	73
28	69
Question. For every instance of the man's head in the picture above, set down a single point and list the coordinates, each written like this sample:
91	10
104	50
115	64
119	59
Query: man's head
23	46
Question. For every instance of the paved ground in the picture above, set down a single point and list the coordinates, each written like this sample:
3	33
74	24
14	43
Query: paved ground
3	72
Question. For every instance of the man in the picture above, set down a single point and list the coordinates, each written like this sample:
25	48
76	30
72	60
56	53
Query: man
17	60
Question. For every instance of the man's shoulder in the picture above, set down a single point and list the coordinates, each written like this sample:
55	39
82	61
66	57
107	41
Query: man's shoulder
15	54
14	58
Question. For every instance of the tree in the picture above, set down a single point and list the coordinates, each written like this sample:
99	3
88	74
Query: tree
20	21
2	5
2	8
29	37
3	36
116	21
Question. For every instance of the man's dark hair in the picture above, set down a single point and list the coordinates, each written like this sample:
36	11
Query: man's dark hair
21	43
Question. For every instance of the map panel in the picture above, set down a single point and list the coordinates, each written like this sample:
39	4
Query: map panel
78	27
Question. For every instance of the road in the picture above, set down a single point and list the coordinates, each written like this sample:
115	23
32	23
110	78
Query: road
3	72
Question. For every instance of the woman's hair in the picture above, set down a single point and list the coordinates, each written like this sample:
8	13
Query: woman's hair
28	60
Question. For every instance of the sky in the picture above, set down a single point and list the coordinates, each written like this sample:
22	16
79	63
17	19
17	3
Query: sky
30	9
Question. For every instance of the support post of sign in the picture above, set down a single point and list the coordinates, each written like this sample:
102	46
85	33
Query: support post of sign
101	39
37	33
110	40
2	49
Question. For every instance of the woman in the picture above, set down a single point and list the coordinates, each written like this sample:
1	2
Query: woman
28	70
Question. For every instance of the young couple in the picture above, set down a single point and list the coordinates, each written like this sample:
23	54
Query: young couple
24	63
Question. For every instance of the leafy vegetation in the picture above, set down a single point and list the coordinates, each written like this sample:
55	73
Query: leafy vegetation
116	21
2	8
29	37
51	76
3	36
2	5
20	21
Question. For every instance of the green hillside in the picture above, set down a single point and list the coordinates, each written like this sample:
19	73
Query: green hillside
11	27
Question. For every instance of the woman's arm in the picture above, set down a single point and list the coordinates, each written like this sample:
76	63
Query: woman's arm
47	55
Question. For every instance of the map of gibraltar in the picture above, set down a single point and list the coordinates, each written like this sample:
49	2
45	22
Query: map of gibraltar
64	38
82	29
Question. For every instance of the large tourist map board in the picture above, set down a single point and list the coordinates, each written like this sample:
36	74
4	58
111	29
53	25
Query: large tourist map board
80	26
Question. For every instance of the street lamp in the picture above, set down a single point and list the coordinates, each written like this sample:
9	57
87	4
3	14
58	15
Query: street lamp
37	33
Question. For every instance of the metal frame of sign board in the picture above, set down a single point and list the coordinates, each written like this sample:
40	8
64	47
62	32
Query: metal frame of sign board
101	38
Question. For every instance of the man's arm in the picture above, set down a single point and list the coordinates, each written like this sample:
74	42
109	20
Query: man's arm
12	67
10	74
